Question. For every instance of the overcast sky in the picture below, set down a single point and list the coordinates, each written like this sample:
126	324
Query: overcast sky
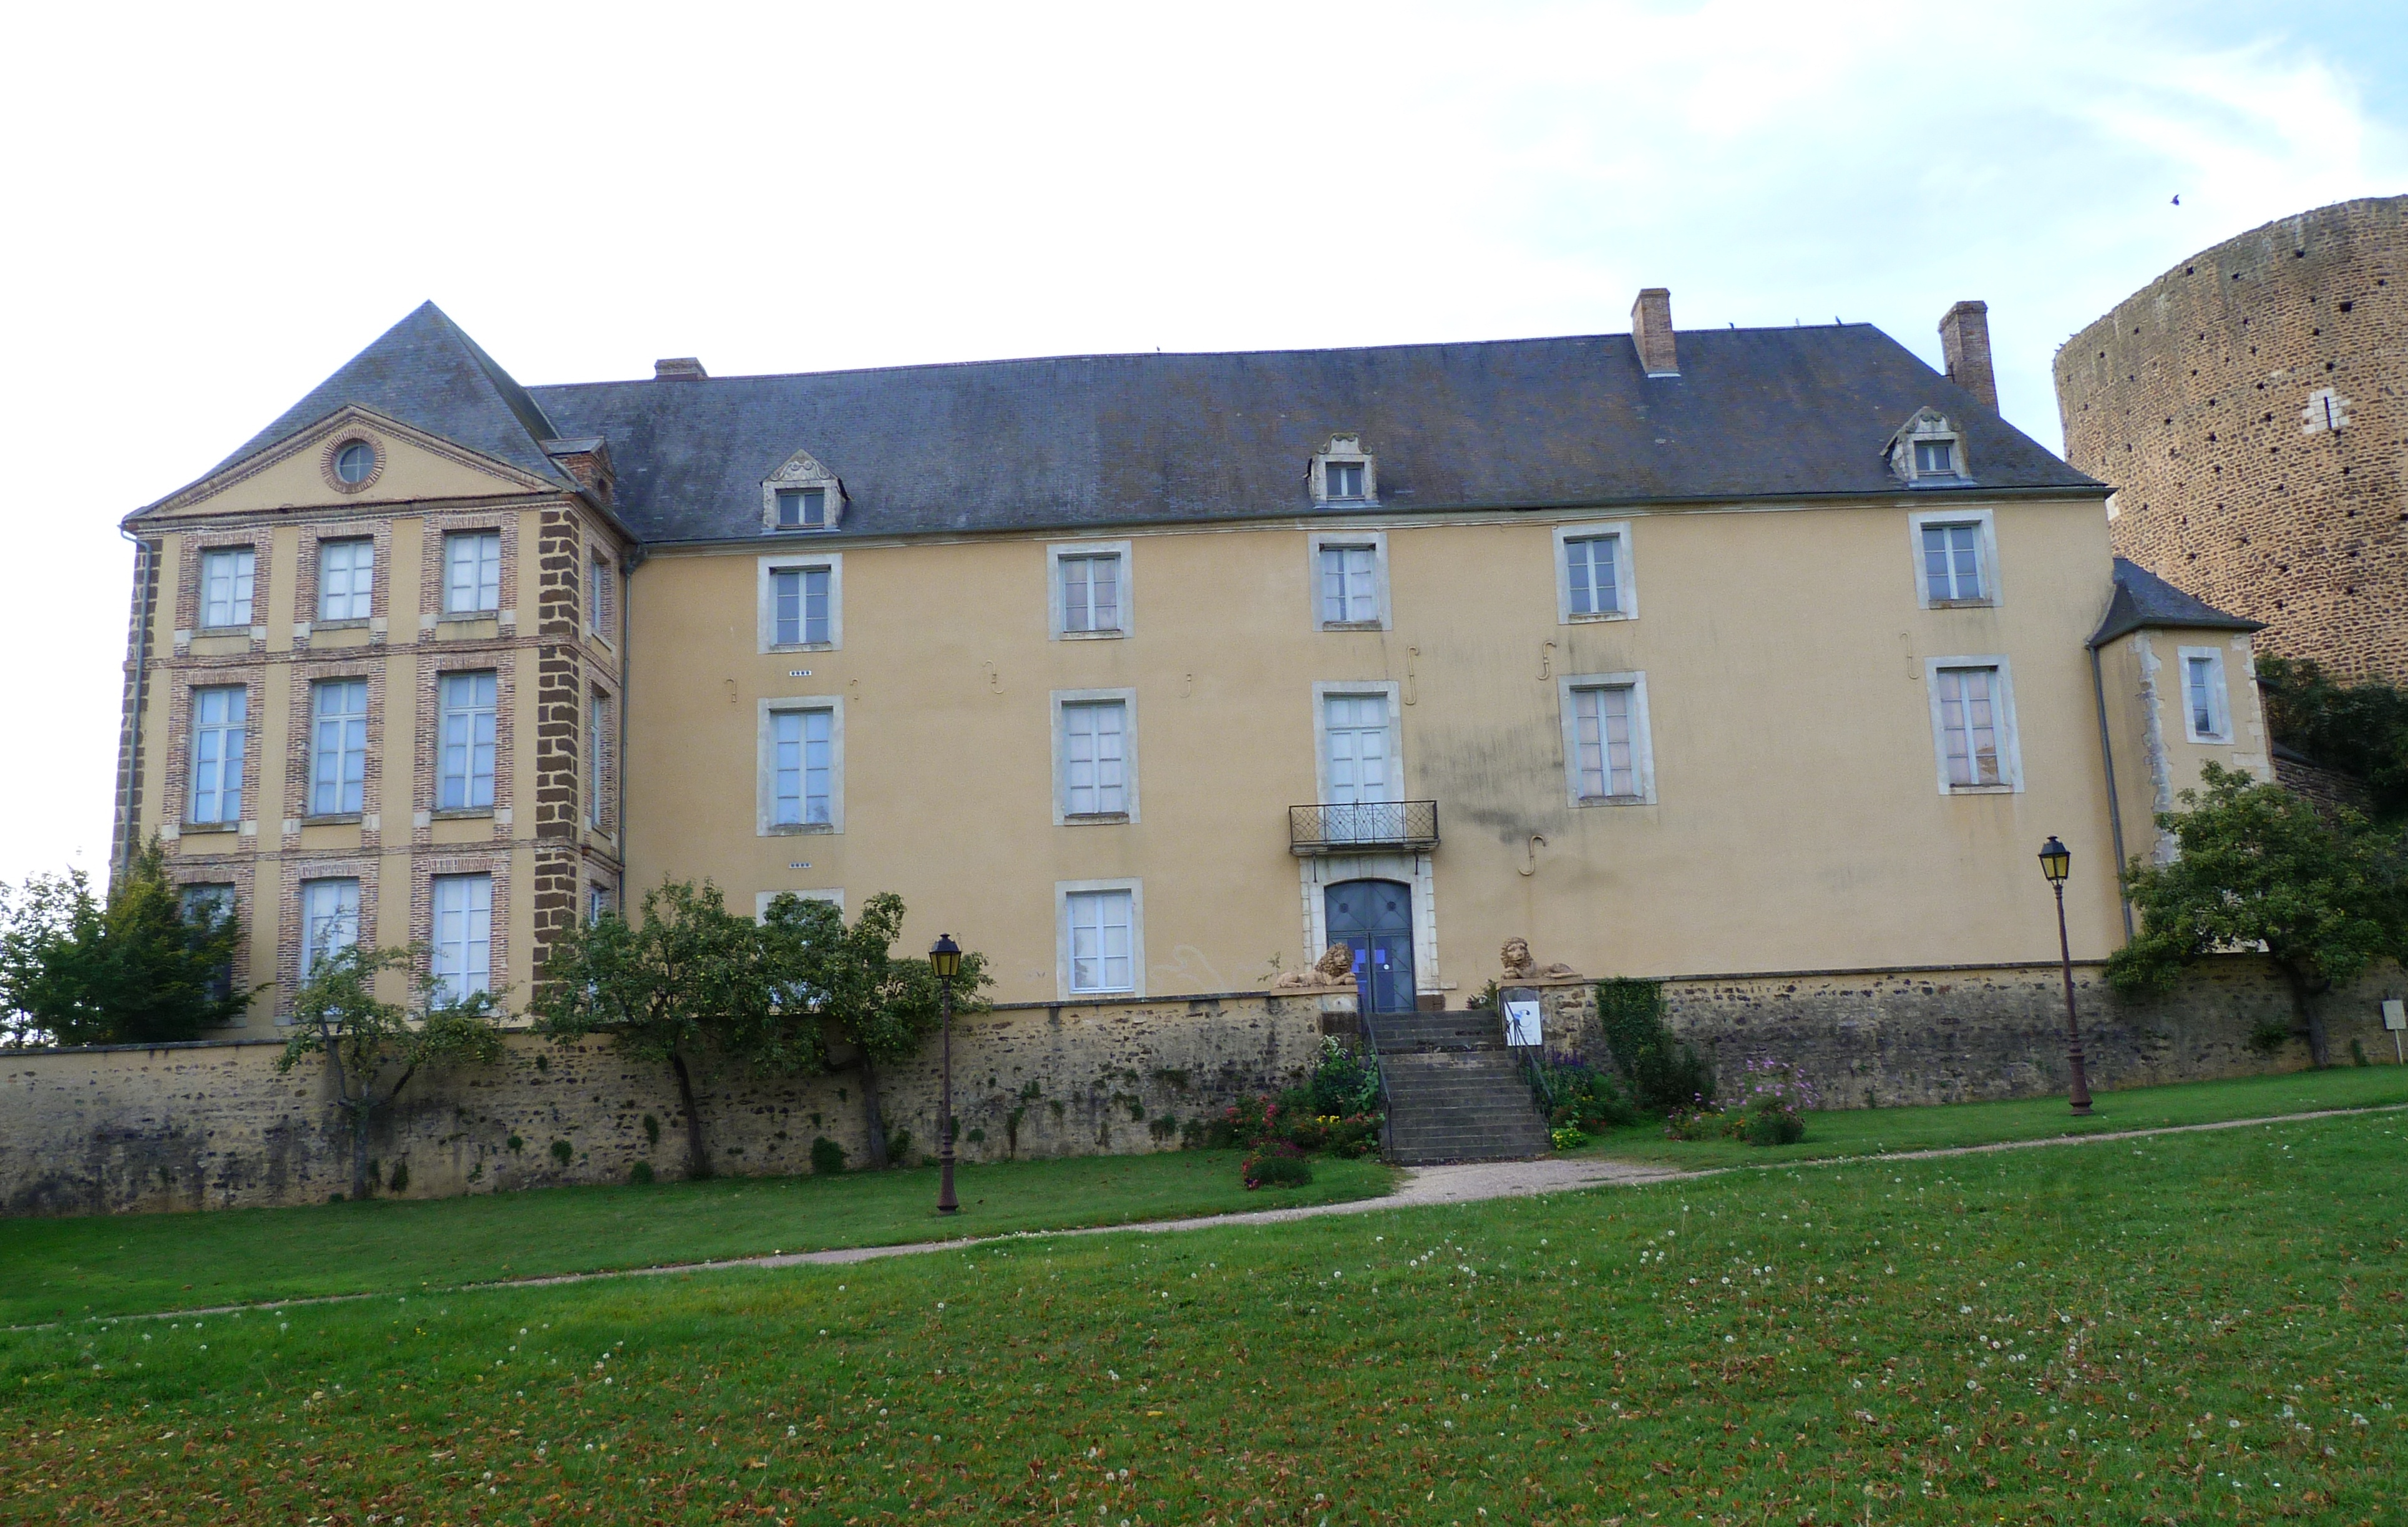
209	208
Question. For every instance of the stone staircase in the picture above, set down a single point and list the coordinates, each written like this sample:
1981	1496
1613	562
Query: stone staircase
1455	1093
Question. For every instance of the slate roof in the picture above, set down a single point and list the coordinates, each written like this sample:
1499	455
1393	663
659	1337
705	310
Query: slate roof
1098	441
2142	599
426	371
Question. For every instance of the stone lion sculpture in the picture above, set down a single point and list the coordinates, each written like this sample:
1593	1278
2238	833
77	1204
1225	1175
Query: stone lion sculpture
1520	966
1335	968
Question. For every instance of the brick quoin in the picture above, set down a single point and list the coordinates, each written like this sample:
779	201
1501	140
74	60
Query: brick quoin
2199	399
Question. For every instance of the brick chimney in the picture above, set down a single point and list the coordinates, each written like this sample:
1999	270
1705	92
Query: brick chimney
1651	332
679	368
1965	341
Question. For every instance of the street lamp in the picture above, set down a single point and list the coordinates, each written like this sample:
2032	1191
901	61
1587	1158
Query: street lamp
945	959
2057	862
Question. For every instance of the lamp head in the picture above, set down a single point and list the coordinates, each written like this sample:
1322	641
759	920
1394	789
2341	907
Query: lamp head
946	956
2055	861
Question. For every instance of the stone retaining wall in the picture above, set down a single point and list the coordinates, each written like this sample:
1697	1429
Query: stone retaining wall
214	1125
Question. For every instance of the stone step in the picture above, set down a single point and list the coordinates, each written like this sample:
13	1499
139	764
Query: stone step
1455	1093
1404	1032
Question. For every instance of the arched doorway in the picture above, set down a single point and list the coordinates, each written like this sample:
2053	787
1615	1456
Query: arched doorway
1375	919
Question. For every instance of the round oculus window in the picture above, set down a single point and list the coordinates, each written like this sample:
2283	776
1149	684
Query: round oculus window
355	463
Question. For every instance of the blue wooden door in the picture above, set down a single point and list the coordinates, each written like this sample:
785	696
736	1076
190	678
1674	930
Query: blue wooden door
1375	919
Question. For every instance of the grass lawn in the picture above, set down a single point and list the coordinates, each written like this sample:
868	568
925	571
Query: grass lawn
1866	1131
126	1263
2199	1328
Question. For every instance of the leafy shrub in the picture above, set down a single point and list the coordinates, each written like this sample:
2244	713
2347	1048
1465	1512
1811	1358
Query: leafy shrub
2358	1054
1664	1072
1770	1108
640	1173
1575	1092
1275	1165
400	1176
2268	1037
1567	1137
1253	1124
563	1152
828	1157
1343	1083
651	1131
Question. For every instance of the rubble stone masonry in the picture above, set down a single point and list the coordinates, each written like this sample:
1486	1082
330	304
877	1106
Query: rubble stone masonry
2250	409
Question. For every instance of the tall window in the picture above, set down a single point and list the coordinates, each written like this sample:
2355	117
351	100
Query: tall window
346	576
1952	560
599	588
219	717
339	746
464	935
1094	777
800	773
204	908
1100	943
802	509
800	614
472	572
1969	725
1602	742
1350	593
1595	581
2204	695
330	919
225	587
464	742
1091	593
597	903
1357	730
597	753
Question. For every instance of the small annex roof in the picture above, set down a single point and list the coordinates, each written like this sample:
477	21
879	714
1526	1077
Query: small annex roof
2143	601
425	372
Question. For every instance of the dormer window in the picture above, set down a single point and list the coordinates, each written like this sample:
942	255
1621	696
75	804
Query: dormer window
802	509
801	494
1343	473
1928	451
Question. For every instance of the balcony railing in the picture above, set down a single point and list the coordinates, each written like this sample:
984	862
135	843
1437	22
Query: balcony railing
1347	827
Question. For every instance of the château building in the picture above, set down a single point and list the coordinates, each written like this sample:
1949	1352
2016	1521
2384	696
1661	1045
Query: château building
1724	651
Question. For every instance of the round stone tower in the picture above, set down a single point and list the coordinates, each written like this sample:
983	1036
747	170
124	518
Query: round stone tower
2250	409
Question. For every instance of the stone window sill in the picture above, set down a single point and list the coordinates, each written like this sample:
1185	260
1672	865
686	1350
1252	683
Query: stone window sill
359	624
1613	801
1981	789
1580	618
206	631
1353	626
1110	634
1093	819
193	829
1963	604
802	646
331	819
460	814
795	829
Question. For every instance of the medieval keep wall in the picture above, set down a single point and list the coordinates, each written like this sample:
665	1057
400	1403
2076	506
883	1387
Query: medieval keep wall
214	1125
1886	1039
2250	409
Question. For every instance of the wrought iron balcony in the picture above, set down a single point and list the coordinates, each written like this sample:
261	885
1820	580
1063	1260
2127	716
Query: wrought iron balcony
1357	827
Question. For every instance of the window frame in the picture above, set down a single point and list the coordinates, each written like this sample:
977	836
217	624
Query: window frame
309	954
445	609
444	711
248	581
1316	542
1625	583
435	942
765	823
1985	551
2220	696
597	758
364	596
1344	450
766	599
315	750
226	895
1063	891
239	730
761	900
1643	739
1323	692
601	597
1062	699
2010	762
1056	604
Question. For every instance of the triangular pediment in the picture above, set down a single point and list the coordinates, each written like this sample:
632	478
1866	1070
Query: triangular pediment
307	470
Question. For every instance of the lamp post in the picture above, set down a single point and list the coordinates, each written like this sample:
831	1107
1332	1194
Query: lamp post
2057	862
945	959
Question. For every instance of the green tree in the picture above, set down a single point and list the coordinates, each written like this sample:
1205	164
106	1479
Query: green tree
338	1014
2359	729
142	970
848	980
2325	896
689	978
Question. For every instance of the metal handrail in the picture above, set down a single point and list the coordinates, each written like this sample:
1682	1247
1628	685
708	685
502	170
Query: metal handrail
1334	823
1370	1033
